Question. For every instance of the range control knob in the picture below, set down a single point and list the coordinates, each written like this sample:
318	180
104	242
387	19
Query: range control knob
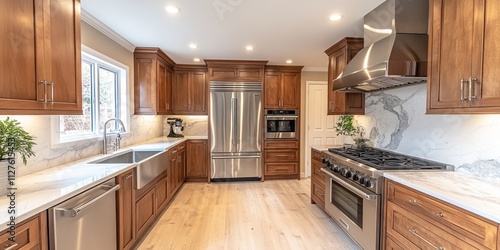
348	174
336	169
355	177
329	164
362	180
342	171
324	160
368	184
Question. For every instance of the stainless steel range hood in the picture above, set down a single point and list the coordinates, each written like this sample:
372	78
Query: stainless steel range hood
395	52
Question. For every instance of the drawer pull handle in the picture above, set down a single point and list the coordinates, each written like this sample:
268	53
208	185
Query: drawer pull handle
126	177
281	155
440	214
414	231
10	246
414	202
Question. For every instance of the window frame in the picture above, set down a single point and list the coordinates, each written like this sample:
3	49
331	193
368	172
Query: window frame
122	103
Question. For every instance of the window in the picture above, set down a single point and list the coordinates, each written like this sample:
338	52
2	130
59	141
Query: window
103	88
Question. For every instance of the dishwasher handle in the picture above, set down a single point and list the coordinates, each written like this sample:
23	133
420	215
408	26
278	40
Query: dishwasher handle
72	212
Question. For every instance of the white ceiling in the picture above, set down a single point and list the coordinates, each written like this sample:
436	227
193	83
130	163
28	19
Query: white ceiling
279	30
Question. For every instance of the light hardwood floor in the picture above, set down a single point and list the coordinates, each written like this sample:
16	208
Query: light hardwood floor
245	215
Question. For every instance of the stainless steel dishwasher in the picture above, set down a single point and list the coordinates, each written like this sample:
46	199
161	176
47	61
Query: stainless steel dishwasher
85	221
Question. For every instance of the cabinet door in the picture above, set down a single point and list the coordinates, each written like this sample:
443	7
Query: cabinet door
161	193
197	159
290	90
144	86
198	93
272	88
181	168
172	177
126	213
63	54
180	93
451	43
164	85
485	61
145	212
21	54
30	234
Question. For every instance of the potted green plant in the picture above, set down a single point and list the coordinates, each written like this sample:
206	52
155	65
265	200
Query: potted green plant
347	127
14	139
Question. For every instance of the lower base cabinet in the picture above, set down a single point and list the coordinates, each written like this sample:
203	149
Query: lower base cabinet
30	234
281	159
161	194
317	179
414	220
197	160
126	210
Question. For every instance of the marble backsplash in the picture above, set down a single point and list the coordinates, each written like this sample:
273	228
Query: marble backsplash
193	125
142	128
396	120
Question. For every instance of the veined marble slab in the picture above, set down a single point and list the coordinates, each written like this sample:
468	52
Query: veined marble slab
41	190
469	192
324	147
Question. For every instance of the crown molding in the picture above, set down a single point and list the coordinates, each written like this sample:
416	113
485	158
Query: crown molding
107	31
315	69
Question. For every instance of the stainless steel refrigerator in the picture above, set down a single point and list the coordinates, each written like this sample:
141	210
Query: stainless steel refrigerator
235	130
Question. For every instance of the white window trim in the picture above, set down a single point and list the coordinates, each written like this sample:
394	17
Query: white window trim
124	105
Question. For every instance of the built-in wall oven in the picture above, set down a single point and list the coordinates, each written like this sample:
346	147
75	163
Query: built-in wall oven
281	124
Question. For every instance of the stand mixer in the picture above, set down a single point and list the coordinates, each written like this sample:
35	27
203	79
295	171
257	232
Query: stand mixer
176	127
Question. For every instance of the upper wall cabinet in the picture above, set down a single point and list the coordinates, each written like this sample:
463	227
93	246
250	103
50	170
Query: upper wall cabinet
189	90
153	71
341	103
40	71
236	70
282	87
464	41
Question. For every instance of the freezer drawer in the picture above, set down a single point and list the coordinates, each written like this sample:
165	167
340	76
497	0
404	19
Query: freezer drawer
227	167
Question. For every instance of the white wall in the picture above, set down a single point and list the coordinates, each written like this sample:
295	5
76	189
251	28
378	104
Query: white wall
396	120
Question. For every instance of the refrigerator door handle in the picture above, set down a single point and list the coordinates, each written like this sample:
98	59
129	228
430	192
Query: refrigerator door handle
234	108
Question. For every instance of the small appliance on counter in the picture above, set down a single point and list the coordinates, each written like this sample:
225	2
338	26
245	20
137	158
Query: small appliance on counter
176	127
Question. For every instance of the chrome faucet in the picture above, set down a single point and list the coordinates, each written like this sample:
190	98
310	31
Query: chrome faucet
116	144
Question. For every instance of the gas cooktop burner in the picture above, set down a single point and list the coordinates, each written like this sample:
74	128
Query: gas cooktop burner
385	160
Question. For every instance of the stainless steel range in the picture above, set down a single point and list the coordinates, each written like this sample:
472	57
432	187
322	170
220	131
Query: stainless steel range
354	187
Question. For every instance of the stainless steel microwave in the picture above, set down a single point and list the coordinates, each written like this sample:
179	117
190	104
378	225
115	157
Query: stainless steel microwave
281	124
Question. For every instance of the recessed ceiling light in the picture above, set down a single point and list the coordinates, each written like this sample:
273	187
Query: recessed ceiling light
196	59
172	9
289	61
335	17
249	48
193	46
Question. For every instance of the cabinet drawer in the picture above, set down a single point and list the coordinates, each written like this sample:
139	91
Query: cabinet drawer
281	155
318	192
415	232
316	172
181	147
316	155
281	144
390	244
474	230
281	168
145	212
172	152
28	235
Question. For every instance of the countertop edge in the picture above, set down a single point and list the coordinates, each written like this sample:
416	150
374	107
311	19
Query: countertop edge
443	197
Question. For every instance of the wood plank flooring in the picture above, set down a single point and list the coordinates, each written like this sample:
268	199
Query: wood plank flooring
245	215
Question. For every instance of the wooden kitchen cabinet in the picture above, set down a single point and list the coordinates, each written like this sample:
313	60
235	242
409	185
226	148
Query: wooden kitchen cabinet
236	70
181	165
464	39
126	209
176	169
317	179
197	160
153	71
145	212
189	90
339	55
282	87
417	221
41	62
161	192
30	234
281	162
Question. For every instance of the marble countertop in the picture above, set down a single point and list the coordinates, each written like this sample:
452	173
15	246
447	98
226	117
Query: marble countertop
471	193
41	190
324	147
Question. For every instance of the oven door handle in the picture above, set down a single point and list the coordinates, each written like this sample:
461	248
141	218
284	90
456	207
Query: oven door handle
351	188
288	117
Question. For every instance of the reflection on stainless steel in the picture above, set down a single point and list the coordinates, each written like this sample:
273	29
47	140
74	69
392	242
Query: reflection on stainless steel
389	59
235	129
86	221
